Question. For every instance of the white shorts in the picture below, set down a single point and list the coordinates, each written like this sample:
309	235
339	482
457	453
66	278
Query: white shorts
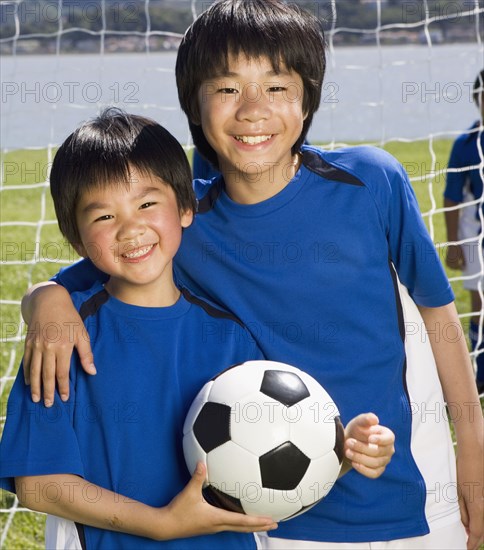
450	537
61	534
469	228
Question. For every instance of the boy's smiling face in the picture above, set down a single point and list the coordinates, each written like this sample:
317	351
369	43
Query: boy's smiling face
252	117
132	233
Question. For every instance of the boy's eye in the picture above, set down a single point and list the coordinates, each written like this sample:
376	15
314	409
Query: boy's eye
277	89
105	217
147	204
228	91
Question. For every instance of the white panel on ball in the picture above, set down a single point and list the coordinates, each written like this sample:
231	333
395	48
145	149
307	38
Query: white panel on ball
234	383
234	468
311	420
261	412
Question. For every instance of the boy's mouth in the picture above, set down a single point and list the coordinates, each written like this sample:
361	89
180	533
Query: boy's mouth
253	140
138	253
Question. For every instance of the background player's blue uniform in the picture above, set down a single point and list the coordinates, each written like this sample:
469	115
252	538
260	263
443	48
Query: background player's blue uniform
465	185
122	429
312	272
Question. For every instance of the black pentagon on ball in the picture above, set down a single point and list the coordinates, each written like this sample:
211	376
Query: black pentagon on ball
283	468
339	443
222	500
285	387
212	426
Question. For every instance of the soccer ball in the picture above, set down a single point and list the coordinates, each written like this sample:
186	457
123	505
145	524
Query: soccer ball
270	437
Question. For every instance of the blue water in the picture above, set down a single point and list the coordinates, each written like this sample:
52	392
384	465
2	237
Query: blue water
369	94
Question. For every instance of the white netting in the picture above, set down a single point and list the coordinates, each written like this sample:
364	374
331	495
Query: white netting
399	75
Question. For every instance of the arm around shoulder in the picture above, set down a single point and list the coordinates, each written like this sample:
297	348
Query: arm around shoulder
55	329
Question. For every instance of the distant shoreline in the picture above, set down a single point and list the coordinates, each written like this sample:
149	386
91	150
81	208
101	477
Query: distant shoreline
32	51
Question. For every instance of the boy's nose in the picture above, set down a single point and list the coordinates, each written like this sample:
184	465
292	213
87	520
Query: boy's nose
130	229
254	104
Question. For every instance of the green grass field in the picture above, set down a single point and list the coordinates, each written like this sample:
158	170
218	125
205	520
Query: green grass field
31	205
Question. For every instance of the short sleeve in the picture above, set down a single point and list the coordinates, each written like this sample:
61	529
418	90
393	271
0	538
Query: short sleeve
37	440
411	249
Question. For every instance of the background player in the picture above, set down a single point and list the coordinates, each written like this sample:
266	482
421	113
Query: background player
464	223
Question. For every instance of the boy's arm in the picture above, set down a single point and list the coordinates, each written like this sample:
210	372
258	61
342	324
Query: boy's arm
55	329
186	515
454	257
456	376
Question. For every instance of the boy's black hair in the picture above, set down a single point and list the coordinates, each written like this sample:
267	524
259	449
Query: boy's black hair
103	152
284	33
478	88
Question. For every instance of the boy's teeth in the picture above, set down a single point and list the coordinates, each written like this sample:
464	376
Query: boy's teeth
252	140
138	253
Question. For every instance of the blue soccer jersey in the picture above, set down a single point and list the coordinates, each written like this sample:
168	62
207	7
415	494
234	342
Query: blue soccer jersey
465	184
122	429
319	274
326	275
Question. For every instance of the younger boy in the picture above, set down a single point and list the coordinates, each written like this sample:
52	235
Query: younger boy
109	460
308	248
465	184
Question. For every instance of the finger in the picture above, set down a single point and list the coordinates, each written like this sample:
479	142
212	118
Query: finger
48	377
242	523
364	422
371	419
357	448
366	471
62	372
83	346
370	457
26	363
199	476
252	528
35	370
193	490
381	436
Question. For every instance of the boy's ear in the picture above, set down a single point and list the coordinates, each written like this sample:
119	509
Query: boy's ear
186	218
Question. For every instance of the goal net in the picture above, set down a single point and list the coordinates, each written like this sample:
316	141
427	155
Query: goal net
400	76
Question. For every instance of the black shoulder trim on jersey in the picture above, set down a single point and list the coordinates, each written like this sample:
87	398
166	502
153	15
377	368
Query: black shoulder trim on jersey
312	161
205	204
398	301
90	307
401	322
209	308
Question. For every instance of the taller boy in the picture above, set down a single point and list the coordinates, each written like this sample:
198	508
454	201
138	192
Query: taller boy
308	249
